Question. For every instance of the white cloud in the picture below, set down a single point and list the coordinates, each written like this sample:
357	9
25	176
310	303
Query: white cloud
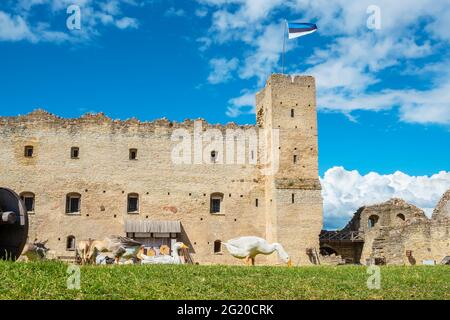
111	7
335	74
173	12
248	11
221	69
204	42
127	22
430	106
48	35
440	27
351	64
347	62
14	28
346	70
264	59
243	104
201	13
23	24
346	191
427	106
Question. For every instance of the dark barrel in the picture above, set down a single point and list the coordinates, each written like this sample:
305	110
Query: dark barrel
13	225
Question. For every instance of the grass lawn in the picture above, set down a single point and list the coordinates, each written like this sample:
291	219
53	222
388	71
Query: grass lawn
47	280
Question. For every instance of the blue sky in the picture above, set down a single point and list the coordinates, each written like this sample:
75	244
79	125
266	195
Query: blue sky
383	94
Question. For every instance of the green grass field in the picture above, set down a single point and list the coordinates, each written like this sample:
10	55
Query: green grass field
48	280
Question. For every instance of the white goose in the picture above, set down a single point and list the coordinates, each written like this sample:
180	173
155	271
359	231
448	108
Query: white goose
172	259
249	247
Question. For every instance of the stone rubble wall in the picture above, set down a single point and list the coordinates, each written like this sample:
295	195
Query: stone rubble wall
392	238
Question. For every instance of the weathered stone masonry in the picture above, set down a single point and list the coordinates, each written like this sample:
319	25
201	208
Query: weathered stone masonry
285	207
395	233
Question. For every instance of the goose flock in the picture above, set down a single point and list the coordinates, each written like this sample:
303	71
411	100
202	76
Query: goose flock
129	251
174	258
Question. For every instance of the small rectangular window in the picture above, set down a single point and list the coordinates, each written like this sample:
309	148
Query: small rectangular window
295	158
74	152
133	154
292	113
70	245
73	204
293	198
29	203
29	151
133	204
217	246
256	203
215	205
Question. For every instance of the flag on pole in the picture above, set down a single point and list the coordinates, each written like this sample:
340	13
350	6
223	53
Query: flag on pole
299	29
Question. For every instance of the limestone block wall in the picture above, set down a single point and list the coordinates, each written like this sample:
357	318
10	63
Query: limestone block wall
350	252
253	203
104	176
288	106
440	228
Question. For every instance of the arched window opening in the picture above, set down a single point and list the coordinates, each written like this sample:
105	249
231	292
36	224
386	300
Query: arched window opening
133	154
401	217
70	244
133	203
73	203
372	222
216	202
28	200
217	246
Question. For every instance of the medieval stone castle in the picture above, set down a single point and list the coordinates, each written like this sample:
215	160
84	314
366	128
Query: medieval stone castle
93	177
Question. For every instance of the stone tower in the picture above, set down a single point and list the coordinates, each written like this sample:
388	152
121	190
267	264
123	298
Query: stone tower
287	107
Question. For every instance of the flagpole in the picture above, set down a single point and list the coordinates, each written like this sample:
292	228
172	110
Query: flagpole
284	46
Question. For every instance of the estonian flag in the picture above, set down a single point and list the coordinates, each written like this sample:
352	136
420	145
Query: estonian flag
299	29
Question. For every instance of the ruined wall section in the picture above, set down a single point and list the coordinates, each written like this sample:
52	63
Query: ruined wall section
384	240
442	210
440	228
392	238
